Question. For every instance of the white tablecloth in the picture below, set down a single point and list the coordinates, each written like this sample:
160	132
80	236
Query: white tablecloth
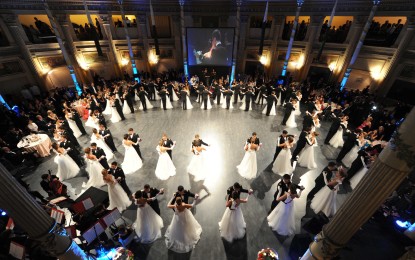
42	146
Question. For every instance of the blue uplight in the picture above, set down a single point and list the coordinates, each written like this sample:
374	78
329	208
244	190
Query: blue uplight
402	224
105	254
3	213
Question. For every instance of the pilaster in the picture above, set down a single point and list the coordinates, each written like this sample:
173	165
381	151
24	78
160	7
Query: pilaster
114	57
278	22
243	27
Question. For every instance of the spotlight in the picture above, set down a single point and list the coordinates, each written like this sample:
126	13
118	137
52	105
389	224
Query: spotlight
3	213
374	107
403	224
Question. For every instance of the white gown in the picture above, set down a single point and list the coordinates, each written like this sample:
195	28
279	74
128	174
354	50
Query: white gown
94	169
232	226
291	120
107	110
306	157
350	156
115	117
132	161
183	232
101	143
148	224
279	100
337	139
230	104
76	132
282	217
198	166
92	121
188	103
148	104
67	168
272	112
209	105
325	201
125	108
248	167
242	107
358	177
297	110
165	167
175	97
168	104
117	197
282	164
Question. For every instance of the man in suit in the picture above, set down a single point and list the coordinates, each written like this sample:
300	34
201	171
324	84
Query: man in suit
135	138
77	118
117	106
308	121
228	96
200	89
237	91
119	176
205	97
333	129
238	189
101	118
152	194
130	99
249	96
168	143
357	164
170	90
71	150
288	109
45	184
302	141
106	134
271	100
183	98
163	96
281	140
66	130
43	125
217	91
184	194
100	154
348	145
152	90
142	96
282	187
262	94
321	180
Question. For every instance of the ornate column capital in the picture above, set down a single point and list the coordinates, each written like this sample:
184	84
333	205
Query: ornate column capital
10	19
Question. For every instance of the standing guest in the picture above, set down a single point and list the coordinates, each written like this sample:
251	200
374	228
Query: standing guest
135	139
106	134
324	177
100	154
282	187
148	224
165	167
151	195
168	143
248	167
282	164
132	162
289	108
117	197
119	176
232	225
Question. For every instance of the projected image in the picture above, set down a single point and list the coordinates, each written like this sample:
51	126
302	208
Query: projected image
206	46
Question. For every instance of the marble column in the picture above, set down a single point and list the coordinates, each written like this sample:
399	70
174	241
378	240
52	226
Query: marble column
408	34
278	22
106	21
389	170
313	33
240	67
142	25
29	216
21	40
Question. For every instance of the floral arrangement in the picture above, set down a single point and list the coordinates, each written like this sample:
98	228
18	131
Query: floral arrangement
267	254
123	254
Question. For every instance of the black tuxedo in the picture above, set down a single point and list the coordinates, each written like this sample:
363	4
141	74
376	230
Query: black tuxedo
333	129
289	108
108	139
117	105
282	188
237	90
154	203
348	145
357	164
185	197
217	93
142	96
72	152
183	98
278	149
101	119
231	190
76	117
163	94
119	173
130	100
302	141
98	153
249	95
200	89
261	93
168	143
308	121
271	100
170	90
320	183
288	94
69	133
205	97
134	138
152	91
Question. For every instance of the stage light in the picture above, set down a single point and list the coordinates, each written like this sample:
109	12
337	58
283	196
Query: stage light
332	66
103	253
264	60
374	107
124	61
153	58
402	224
3	213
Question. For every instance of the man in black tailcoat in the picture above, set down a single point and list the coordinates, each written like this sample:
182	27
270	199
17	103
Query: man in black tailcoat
281	141
183	98
142	96
106	134
152	193
169	144
217	91
184	194
302	141
170	90
152	90
282	187
357	164
308	121
288	109
119	176
135	138
130	99
228	96
117	106
163	96
205	97
200	89
348	145
71	150
100	154
333	129
77	118
100	117
271	100
238	189
322	179
237	91
249	97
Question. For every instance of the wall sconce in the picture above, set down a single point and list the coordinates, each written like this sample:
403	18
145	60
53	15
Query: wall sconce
83	65
46	71
300	62
153	58
332	66
376	73
124	62
263	60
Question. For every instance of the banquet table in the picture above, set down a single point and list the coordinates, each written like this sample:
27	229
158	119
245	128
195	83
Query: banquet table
41	146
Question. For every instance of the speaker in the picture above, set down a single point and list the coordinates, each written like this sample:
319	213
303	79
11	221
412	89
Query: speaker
315	225
97	196
299	245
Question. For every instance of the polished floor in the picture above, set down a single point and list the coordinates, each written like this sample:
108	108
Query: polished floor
226	132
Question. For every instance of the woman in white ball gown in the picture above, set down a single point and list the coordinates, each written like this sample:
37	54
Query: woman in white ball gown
184	231
198	166
148	223
337	139
92	121
232	226
165	167
282	164
125	108
99	140
248	166
360	174
188	103
273	110
282	217
306	158
72	124
148	104
115	117
107	110
325	199
132	161
117	196
291	119
94	169
352	154
297	110
67	168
